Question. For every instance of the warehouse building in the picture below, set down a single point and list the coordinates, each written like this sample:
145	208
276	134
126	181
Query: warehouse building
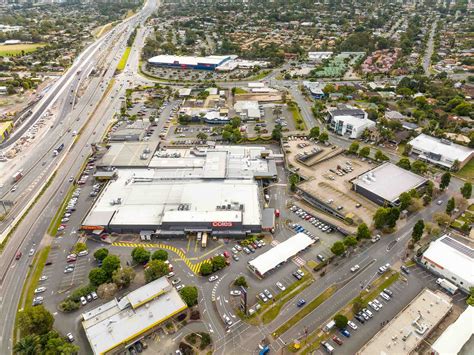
189	62
279	254
377	184
404	333
451	259
441	152
186	191
118	324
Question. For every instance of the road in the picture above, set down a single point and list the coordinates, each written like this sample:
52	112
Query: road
429	50
31	233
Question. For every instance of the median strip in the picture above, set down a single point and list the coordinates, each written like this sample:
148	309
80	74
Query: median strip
123	61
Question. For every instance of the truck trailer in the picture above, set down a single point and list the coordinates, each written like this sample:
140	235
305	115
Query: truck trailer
448	286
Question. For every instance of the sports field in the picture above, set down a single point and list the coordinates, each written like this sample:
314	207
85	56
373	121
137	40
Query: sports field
16	49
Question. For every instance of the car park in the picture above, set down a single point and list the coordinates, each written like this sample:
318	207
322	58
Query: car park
213	278
337	340
385	296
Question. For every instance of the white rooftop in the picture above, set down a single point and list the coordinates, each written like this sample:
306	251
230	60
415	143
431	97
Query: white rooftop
280	253
434	145
148	200
380	181
188	60
409	327
453	256
356	122
119	322
457	334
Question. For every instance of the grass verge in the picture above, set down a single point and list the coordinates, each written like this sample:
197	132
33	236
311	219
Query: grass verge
305	311
31	282
297	118
45	187
123	60
282	298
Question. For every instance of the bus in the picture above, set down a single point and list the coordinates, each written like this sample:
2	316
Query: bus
204	240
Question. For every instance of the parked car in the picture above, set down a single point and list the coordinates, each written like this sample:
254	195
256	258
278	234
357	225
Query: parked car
355	268
385	296
352	325
280	286
179	287
345	332
378	303
268	294
405	269
177	281
388	292
298	276
43	278
94	295
235	257
337	340
83	301
262	297
369	313
300	272
359	318
373	306
235	293
40	289
70	337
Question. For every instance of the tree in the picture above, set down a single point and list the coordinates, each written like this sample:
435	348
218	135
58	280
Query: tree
405	200
155	269
381	217
97	276
218	263
357	305
110	264
419	167
123	277
429	188
276	133
450	206
80	247
241	281
235	122
407	150
418	229
393	215
35	320
445	180
350	241
202	136
441	218
140	255
160	254
404	163
189	294
205	269
107	291
470	300
353	148
363	231
28	345
379	155
56	344
323	137
341	321
338	248
314	132
466	190
101	254
364	152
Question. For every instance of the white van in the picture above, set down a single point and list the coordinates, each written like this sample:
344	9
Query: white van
328	347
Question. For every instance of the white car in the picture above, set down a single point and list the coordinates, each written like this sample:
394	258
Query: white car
235	293
70	337
385	296
352	325
268	294
280	286
378	303
355	268
43	278
179	287
40	289
213	278
373	306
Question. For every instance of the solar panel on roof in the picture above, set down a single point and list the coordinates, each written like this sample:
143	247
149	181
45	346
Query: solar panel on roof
459	247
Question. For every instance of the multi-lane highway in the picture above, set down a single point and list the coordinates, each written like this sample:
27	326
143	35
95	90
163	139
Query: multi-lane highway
89	115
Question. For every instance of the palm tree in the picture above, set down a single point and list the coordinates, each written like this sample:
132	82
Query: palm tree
28	345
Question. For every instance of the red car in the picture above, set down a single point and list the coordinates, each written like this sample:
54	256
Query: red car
226	254
18	255
277	213
337	340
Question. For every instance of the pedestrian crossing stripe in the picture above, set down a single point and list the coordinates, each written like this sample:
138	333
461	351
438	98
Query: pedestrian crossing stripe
193	267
